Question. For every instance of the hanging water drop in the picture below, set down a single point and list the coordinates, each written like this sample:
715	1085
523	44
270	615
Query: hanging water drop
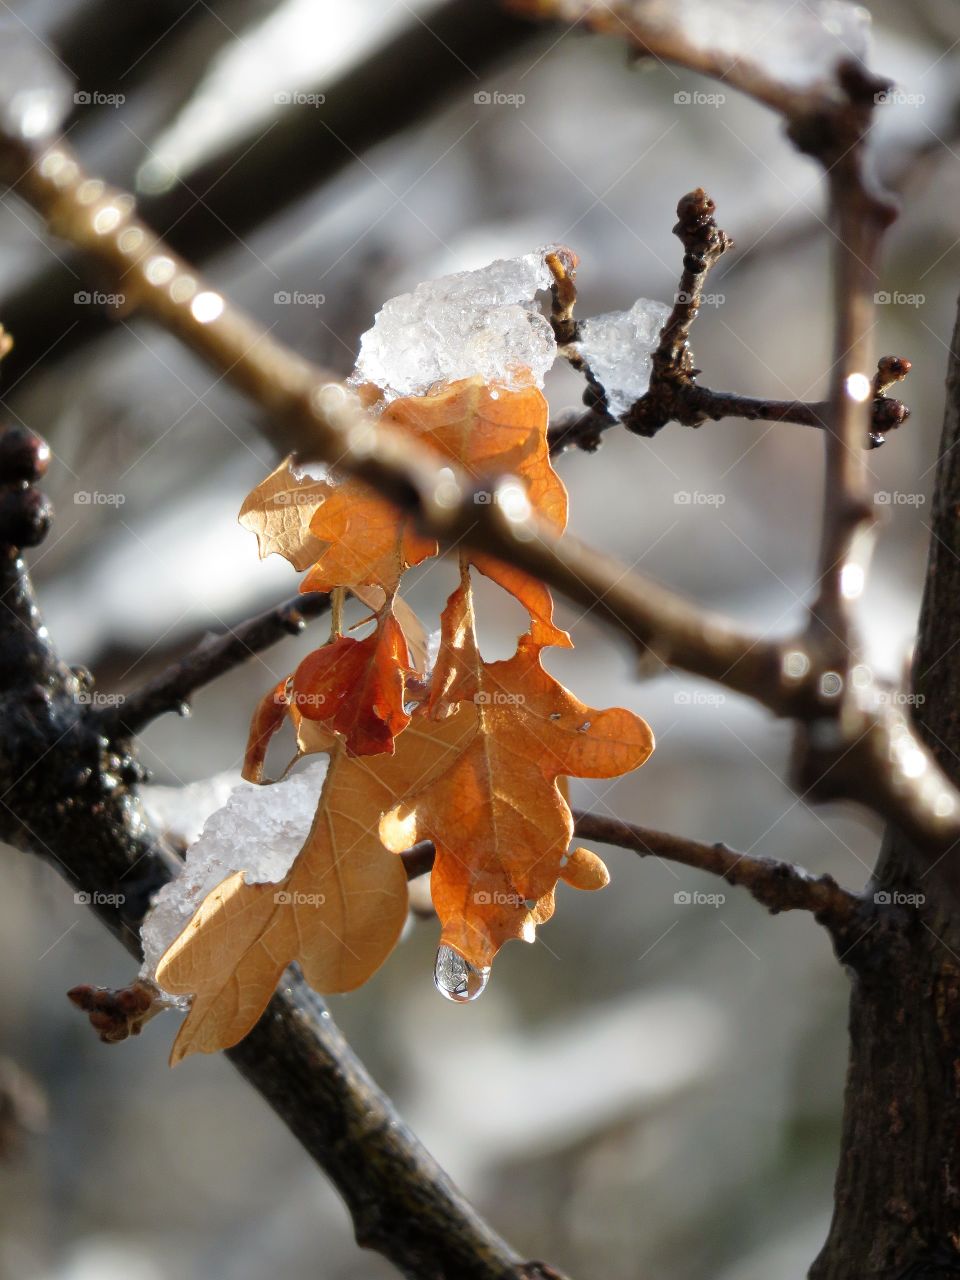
457	979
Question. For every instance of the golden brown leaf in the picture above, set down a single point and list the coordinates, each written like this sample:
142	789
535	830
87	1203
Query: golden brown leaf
268	717
356	687
279	511
338	912
586	870
497	817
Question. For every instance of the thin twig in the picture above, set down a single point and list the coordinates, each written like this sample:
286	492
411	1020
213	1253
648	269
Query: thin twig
80	813
322	420
172	688
778	886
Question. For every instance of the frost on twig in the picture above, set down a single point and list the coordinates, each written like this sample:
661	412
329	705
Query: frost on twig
797	44
484	322
775	49
260	830
617	347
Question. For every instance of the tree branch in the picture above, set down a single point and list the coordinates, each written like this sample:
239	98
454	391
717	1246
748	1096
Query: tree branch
402	1203
172	689
323	421
778	886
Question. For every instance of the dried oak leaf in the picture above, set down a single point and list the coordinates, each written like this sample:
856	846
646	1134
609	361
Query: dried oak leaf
356	687
498	819
490	432
338	912
338	529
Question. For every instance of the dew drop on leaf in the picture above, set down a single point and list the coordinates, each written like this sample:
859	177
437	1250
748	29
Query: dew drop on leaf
457	979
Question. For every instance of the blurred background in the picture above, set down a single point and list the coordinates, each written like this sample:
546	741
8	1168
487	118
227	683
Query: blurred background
653	1089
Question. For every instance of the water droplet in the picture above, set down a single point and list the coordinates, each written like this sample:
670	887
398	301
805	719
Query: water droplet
554	715
457	979
583	727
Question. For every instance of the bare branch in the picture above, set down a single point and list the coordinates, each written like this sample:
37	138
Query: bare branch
322	420
172	689
776	885
402	1203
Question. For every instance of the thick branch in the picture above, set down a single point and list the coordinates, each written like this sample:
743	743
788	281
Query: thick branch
322	420
79	812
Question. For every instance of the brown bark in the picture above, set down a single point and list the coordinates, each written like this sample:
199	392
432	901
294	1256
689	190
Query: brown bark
897	1211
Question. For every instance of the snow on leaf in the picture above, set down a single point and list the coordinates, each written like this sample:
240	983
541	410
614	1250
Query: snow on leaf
338	912
481	323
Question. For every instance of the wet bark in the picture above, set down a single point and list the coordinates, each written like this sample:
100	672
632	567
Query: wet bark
897	1205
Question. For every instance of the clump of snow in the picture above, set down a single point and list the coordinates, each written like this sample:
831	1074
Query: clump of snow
260	830
617	346
796	44
484	322
180	812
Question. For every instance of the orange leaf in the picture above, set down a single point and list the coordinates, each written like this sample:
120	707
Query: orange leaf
279	511
497	817
365	541
268	717
338	912
357	687
585	870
